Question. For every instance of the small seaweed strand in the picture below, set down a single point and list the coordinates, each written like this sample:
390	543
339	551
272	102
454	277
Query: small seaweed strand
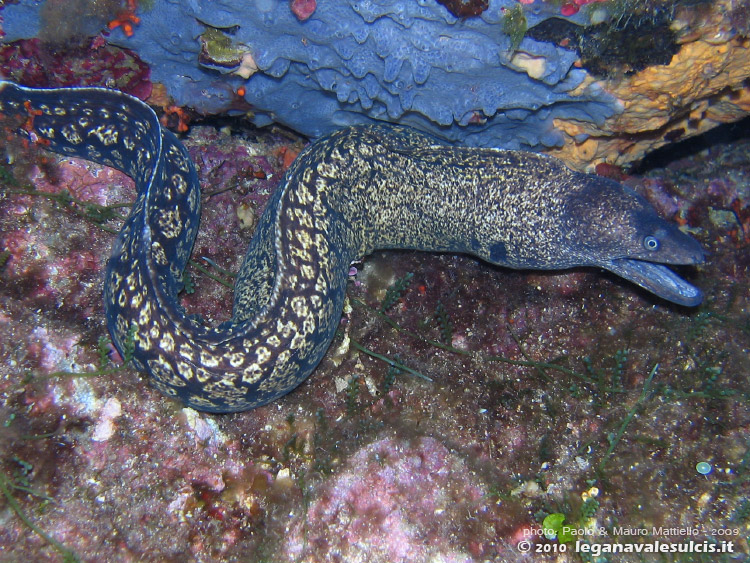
206	272
390	378
88	210
5	485
521	363
614	440
389	361
395	291
352	393
218	268
539	368
446	327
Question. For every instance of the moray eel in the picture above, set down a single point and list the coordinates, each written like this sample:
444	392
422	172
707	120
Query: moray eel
357	190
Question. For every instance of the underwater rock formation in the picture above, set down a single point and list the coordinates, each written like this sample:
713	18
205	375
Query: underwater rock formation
407	62
533	75
704	85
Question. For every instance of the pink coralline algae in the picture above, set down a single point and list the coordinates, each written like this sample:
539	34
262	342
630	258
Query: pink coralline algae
33	62
396	500
51	350
569	7
60	280
82	180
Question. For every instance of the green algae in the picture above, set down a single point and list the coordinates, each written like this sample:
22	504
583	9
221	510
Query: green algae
446	327
614	438
395	291
514	26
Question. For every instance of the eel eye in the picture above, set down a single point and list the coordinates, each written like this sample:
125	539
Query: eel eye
651	243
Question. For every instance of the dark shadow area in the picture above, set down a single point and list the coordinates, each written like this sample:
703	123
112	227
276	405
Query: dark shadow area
239	125
723	134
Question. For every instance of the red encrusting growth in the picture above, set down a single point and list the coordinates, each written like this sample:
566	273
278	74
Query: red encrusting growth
32	113
175	118
28	125
126	19
303	9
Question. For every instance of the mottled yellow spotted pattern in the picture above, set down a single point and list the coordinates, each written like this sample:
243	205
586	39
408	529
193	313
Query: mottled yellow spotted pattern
354	191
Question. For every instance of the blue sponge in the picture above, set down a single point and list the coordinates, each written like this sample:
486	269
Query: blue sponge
403	61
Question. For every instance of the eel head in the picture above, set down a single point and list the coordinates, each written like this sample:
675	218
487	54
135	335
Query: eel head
612	227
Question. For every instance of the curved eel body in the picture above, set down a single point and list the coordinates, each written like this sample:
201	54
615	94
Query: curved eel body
359	189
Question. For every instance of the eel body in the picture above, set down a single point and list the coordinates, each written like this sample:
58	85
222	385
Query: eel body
359	189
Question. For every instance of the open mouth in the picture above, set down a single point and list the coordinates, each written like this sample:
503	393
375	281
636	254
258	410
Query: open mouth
658	279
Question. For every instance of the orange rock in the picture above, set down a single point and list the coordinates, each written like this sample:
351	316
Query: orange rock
702	87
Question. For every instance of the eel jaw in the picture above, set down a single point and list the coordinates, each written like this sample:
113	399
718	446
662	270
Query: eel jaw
656	278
